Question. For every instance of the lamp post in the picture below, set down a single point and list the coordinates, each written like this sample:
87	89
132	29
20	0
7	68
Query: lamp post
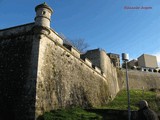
125	58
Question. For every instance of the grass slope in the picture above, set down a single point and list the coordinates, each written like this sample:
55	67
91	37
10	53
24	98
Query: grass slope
120	102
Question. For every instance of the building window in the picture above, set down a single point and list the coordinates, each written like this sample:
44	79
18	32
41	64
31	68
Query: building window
43	12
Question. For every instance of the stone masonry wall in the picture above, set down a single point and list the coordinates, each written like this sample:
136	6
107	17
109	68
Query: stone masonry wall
111	73
16	89
38	74
65	81
100	59
141	79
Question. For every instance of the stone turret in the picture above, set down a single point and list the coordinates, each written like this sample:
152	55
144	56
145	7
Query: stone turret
43	15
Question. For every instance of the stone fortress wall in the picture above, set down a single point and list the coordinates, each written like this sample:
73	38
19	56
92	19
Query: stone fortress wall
17	81
45	75
141	79
100	59
64	79
38	73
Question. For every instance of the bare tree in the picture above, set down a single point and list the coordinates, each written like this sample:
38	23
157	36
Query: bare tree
65	39
79	44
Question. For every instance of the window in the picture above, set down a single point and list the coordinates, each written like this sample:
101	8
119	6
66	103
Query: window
43	12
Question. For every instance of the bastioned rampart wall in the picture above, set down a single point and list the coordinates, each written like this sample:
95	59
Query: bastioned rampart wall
66	80
39	74
18	67
102	60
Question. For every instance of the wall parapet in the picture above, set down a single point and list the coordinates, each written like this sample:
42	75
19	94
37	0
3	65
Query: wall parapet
76	54
73	50
97	69
54	35
28	29
104	75
16	31
88	62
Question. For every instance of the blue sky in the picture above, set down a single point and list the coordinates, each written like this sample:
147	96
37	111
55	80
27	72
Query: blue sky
102	23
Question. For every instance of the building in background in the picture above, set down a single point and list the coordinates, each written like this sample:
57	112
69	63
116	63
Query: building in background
147	61
133	64
115	59
144	62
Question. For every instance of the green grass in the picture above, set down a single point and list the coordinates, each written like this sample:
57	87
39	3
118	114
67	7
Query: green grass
120	102
69	114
